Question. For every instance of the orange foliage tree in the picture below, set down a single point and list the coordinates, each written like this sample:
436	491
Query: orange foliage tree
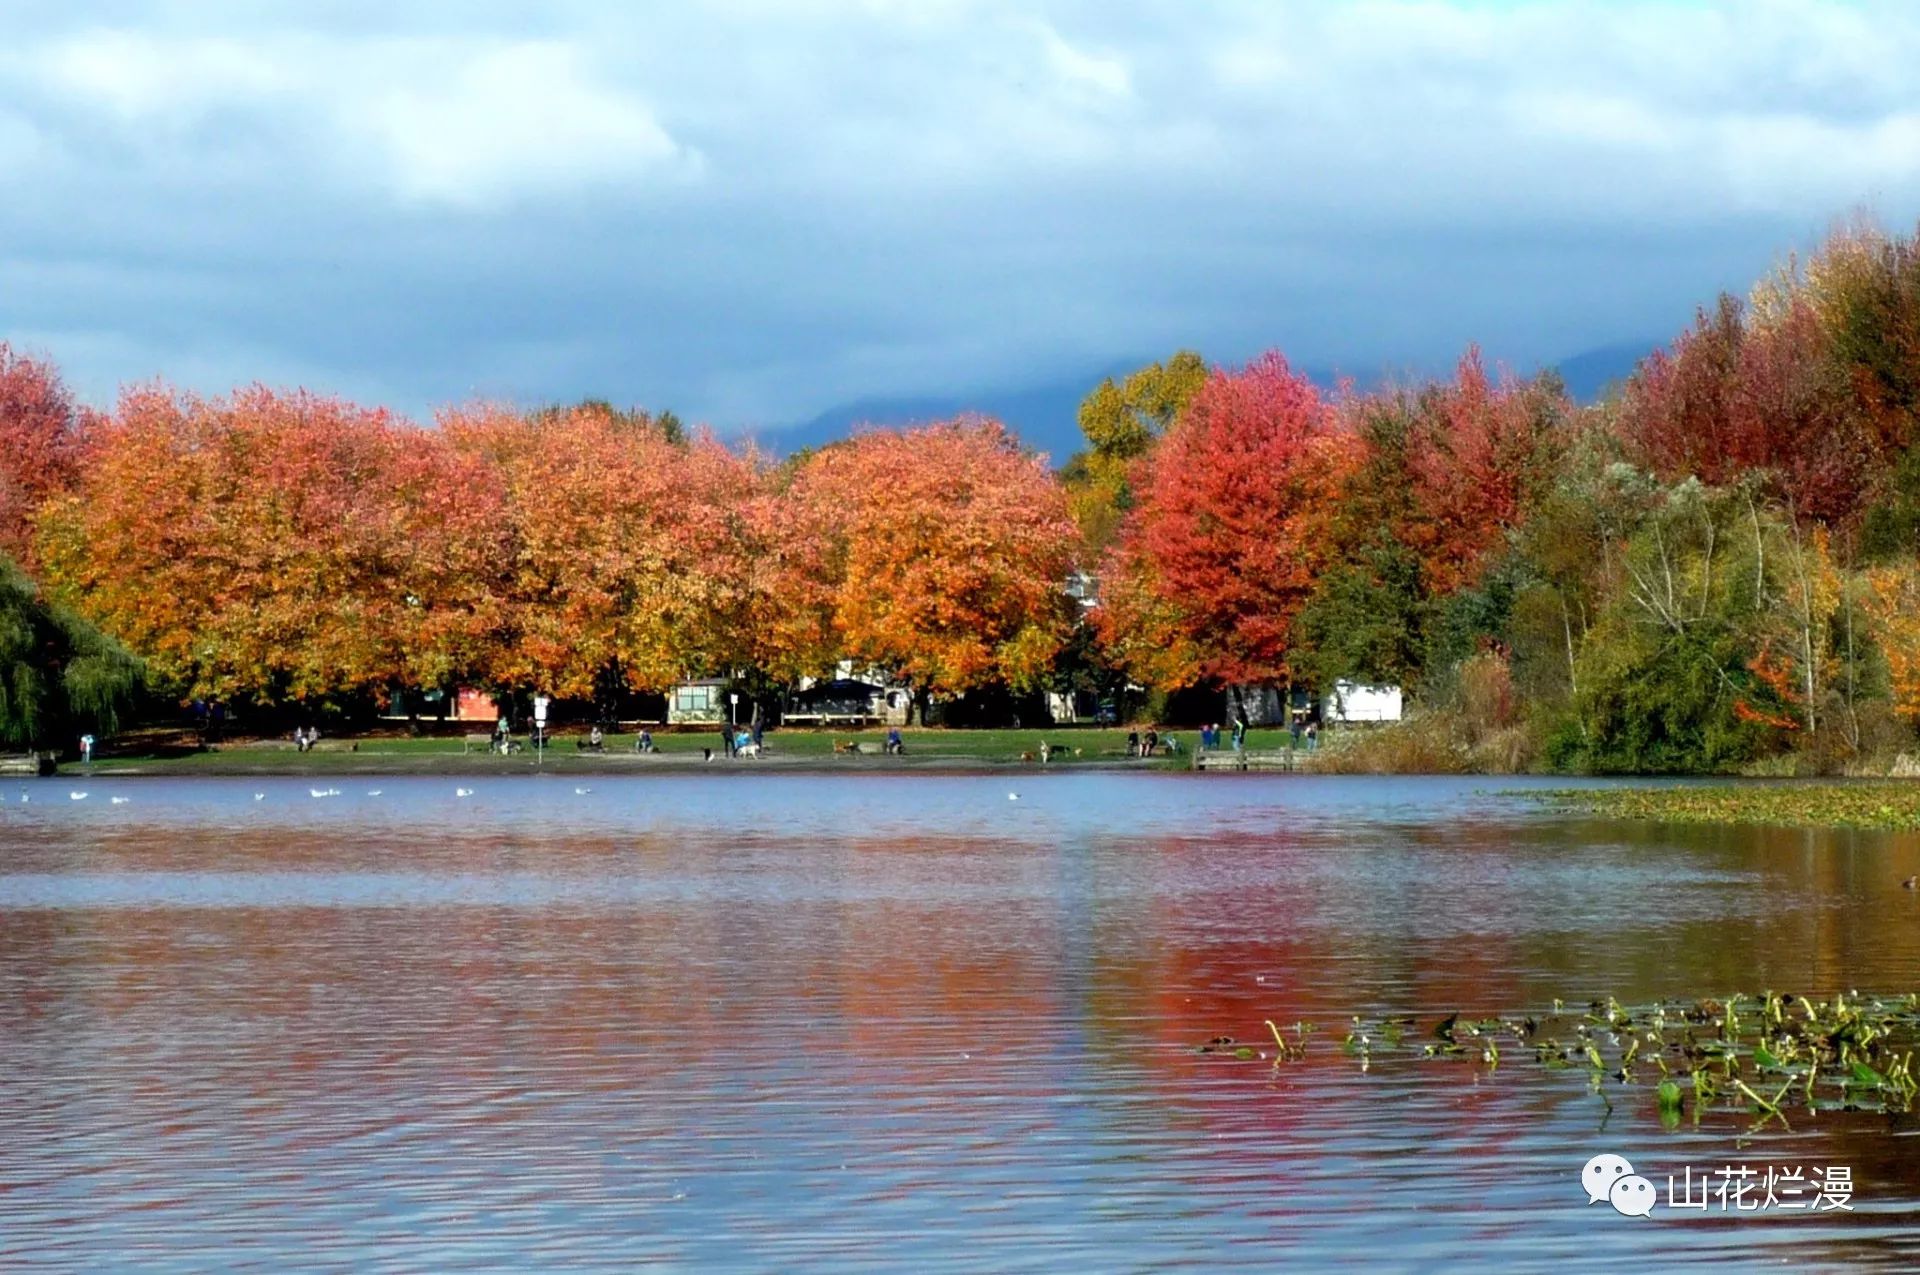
624	561
1892	604
285	546
40	437
1229	533
793	554
944	551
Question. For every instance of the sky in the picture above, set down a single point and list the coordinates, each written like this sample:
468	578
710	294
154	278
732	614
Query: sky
751	212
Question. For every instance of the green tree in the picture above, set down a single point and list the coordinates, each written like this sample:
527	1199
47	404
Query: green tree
1368	614
1366	620
1675	674
59	676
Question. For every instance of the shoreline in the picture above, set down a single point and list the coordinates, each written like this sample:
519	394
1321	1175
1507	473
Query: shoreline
175	752
214	766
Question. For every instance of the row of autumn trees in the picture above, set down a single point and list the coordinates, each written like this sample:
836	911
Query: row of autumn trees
284	548
1716	564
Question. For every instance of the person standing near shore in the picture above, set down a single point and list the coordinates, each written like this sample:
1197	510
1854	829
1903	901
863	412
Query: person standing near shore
726	738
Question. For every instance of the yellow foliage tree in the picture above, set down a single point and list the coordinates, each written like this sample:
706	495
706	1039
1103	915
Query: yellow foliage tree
1121	421
1892	604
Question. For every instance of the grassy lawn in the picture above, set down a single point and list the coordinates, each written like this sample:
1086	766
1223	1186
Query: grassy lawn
1883	804
1089	745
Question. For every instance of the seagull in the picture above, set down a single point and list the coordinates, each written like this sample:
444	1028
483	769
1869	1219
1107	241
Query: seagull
463	792
259	796
373	792
121	801
324	792
581	792
1013	796
78	796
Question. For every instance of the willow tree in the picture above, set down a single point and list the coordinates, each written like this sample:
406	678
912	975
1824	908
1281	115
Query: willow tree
59	676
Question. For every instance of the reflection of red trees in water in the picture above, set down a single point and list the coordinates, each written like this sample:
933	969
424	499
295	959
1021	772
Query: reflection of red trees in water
344	1021
1228	981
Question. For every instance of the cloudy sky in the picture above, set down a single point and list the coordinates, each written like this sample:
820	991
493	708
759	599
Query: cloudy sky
752	211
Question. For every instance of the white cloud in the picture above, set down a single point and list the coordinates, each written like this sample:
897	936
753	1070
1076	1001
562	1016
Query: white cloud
467	121
510	118
144	80
1087	75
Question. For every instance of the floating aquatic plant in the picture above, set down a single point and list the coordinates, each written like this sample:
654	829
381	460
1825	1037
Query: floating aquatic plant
1891	806
1768	1054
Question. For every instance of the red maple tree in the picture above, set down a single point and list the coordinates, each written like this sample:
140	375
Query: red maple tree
40	438
1475	447
1230	530
1729	398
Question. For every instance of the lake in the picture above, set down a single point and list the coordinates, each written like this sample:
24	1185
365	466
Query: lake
738	1021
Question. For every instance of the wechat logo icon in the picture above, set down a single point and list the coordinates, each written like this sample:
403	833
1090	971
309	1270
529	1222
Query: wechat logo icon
1611	1179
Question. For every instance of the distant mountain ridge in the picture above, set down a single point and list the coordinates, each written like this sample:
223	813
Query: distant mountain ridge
1046	416
1592	374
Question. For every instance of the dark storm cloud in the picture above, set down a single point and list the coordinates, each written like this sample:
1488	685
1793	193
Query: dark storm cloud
749	211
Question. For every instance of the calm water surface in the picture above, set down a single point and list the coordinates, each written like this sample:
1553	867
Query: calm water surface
734	1021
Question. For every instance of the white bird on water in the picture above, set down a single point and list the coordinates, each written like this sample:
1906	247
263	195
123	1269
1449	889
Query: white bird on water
463	792
120	801
581	792
324	792
373	792
259	796
1013	796
78	796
